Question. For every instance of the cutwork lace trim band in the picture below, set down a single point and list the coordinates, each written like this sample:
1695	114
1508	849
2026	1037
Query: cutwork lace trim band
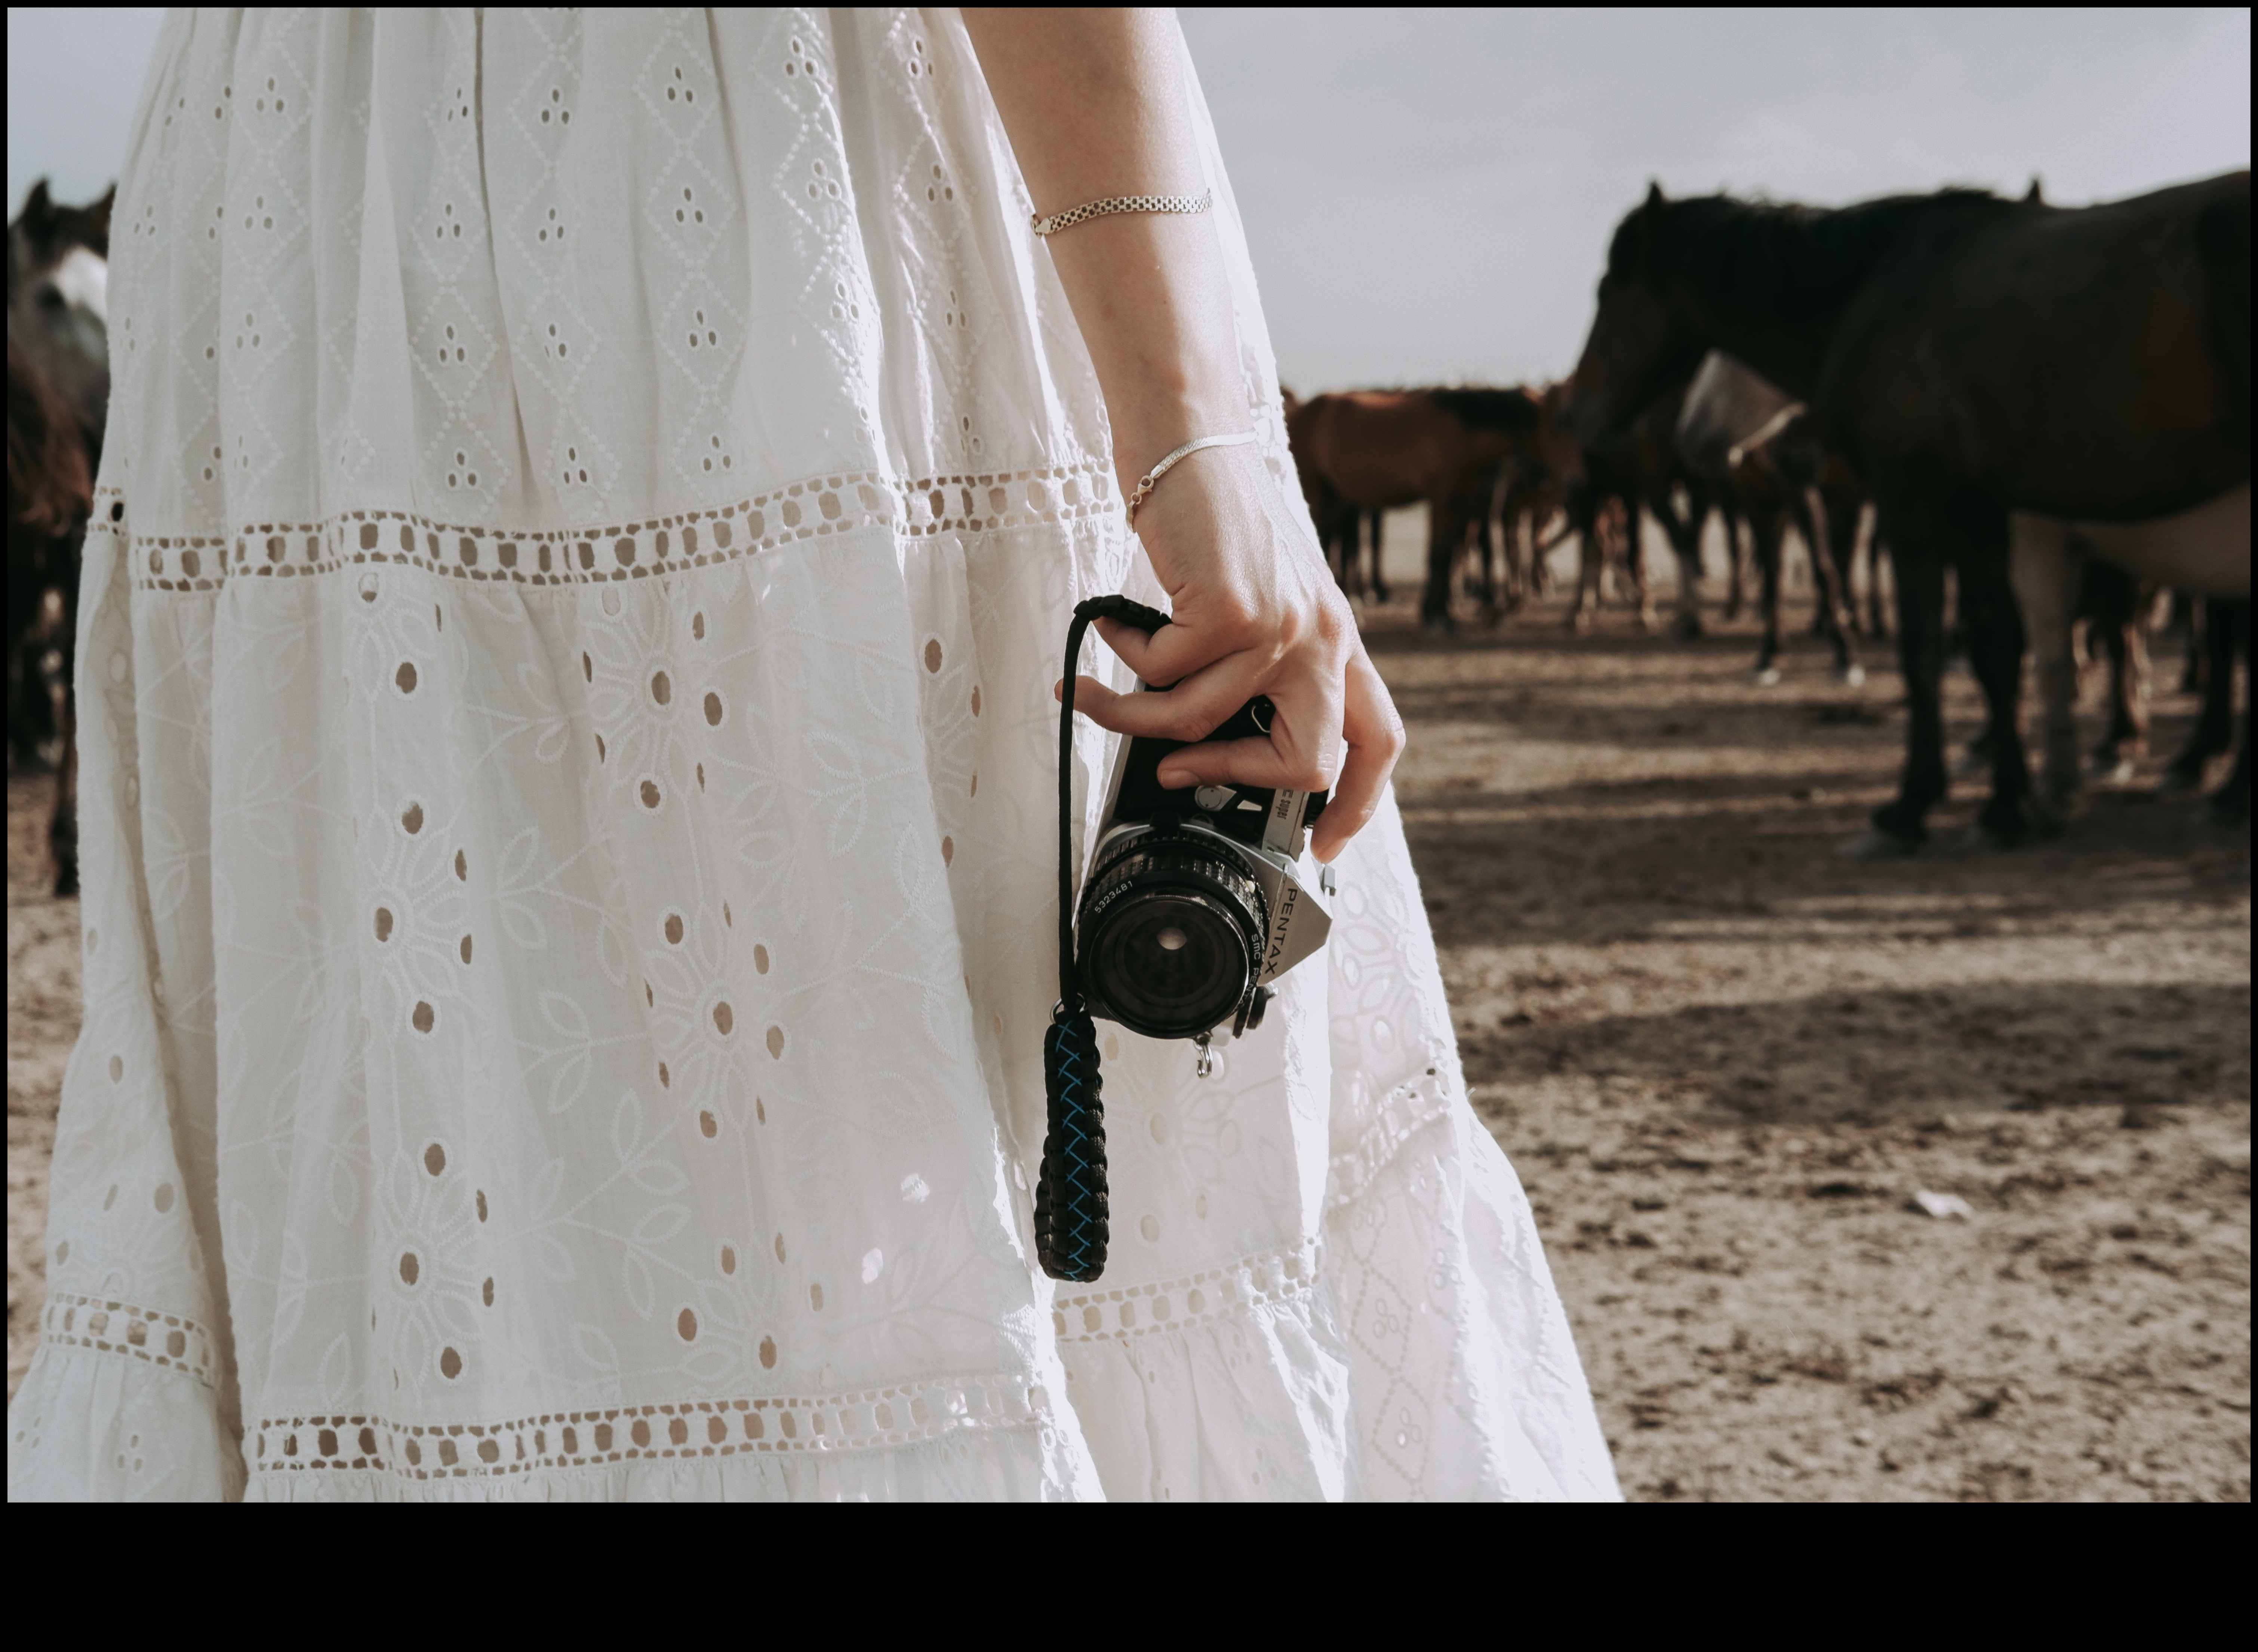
1265	1278
109	1327
804	510
908	1414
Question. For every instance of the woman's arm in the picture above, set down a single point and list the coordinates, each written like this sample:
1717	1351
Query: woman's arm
1096	104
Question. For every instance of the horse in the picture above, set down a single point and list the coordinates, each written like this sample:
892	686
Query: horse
1366	452
2224	636
1971	356
2205	550
1339	524
1751	442
1613	481
2116	611
58	399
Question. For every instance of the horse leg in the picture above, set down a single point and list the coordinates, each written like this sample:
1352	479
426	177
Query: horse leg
2191	670
1735	593
2047	568
1766	529
1685	546
2226	625
1897	826
2121	630
1585	517
1487	548
1635	563
1994	626
1826	528
1378	579
1877	564
1443	534
2230	805
62	824
1508	556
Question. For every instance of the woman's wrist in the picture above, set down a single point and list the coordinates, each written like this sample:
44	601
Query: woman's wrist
1155	424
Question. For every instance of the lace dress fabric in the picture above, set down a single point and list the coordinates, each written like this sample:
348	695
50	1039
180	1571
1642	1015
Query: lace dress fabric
591	505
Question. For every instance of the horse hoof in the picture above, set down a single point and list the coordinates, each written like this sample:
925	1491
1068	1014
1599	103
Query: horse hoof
1765	675
1874	843
2229	813
1851	676
1686	628
1437	628
2178	782
2113	771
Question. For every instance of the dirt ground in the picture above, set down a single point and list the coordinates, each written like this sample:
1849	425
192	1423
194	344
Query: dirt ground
1726	1060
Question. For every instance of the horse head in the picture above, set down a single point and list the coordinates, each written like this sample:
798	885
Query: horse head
1640	341
57	297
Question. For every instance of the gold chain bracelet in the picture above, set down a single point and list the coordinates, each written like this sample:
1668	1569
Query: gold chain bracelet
1082	214
1145	482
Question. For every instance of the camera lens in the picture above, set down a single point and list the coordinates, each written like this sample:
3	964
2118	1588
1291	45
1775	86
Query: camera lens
1170	936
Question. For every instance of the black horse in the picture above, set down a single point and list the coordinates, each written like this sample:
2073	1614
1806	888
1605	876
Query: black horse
1970	356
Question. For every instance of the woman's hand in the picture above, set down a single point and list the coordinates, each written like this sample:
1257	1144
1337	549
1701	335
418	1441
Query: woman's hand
1256	612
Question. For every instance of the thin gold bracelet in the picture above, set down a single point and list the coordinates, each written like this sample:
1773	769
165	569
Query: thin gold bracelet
1082	214
1145	483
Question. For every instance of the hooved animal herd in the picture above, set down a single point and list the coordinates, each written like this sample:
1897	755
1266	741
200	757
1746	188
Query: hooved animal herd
2032	415
2049	405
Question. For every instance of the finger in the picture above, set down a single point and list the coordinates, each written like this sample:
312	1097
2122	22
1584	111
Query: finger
1189	712
1164	656
1253	762
1374	734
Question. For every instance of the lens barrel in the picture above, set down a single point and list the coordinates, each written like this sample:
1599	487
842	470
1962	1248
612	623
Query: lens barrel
1169	935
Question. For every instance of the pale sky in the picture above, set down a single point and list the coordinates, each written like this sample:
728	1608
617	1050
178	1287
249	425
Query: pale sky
1429	194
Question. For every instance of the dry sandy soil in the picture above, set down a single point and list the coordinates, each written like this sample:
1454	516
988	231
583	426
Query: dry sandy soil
1725	1060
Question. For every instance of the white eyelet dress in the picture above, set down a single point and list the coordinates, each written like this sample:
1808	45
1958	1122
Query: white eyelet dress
590	514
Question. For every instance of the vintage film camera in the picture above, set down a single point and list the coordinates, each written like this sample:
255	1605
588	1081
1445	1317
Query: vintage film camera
1194	904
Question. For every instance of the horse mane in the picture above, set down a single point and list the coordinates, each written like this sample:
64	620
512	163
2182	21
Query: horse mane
1773	254
48	486
1489	410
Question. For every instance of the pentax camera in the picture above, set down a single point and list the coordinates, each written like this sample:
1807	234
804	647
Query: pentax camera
1193	904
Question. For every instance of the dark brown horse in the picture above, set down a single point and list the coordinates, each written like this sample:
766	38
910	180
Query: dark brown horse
57	398
1632	473
1971	356
1754	443
1370	451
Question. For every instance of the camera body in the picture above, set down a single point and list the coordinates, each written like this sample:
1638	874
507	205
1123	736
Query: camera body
1194	903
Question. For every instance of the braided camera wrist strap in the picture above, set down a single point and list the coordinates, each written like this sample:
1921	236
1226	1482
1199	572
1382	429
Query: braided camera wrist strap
1071	1229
